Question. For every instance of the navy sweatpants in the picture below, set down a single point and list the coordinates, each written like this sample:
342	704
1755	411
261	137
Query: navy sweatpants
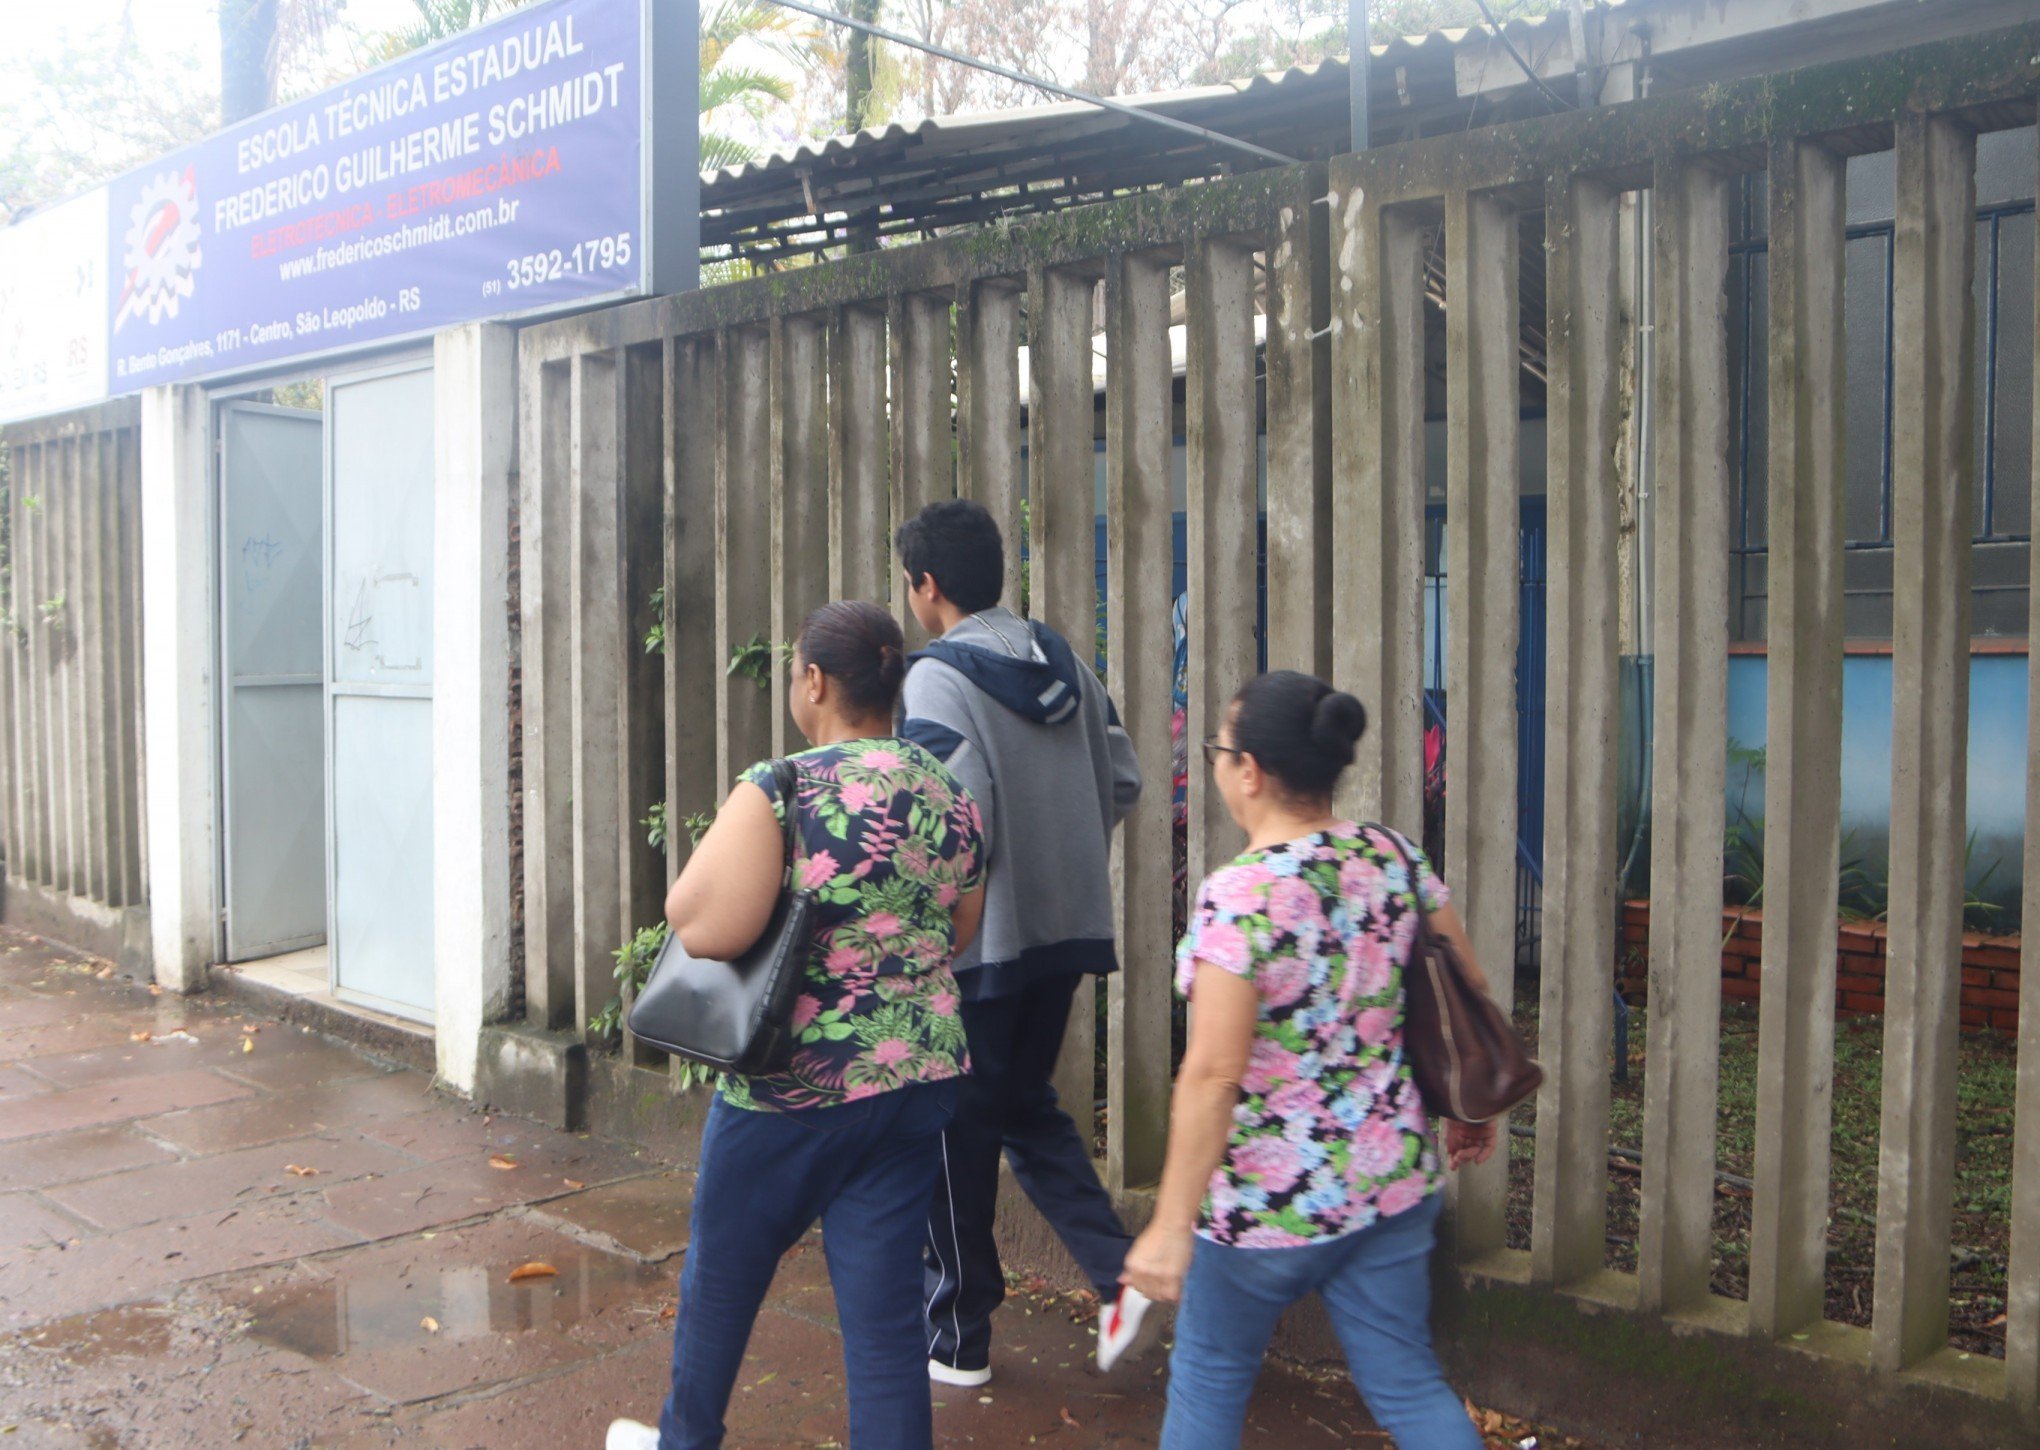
1008	1105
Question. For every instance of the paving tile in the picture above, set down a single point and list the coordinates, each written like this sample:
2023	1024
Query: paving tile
85	1107
67	1157
40	1285
564	1410
451	1130
293	1114
17	1083
27	1009
646	1217
366	1316
450	1190
198	1185
148	1375
211	1045
25	1218
290	1057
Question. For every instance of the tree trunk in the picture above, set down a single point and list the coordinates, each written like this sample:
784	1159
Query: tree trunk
247	40
859	236
857	66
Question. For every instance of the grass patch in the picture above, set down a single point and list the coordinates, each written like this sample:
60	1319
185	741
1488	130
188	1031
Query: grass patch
1985	1081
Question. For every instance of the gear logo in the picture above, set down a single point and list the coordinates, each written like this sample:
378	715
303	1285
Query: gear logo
162	249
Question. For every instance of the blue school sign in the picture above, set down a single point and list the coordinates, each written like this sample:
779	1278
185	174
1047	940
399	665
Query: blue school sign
496	174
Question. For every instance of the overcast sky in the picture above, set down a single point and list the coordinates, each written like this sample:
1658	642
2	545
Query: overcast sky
180	28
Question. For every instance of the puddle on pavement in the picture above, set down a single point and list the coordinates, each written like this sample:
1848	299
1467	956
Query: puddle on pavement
134	1331
376	1309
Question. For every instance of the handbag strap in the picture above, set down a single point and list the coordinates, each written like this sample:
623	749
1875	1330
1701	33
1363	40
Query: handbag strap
1410	870
786	776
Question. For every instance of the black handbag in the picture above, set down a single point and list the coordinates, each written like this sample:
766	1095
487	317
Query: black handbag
736	1015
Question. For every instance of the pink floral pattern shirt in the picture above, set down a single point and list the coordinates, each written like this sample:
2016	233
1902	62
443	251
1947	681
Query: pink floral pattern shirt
1330	1133
889	843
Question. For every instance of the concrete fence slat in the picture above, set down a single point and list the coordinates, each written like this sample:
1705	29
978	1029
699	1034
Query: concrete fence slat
641	706
135	805
743	561
800	494
1482	463
2022	1308
1584	337
988	409
1933	464
98	589
1302	580
689	527
1803	779
1140	561
1377	323
12	762
1062	542
69	607
1224	482
860	460
545	417
1676	1241
596	633
923	425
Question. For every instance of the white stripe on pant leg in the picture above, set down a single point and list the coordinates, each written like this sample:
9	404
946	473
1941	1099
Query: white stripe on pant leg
944	1279
955	1242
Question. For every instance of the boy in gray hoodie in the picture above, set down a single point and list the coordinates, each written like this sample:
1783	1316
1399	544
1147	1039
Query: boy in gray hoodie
1028	730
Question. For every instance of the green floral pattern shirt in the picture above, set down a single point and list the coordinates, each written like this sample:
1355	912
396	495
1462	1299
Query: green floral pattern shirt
889	843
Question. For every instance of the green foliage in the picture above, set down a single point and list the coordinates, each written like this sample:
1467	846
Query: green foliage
755	658
654	823
51	608
655	637
32	502
634	961
697	826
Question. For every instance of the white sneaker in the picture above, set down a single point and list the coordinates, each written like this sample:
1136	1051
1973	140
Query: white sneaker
949	1374
1125	1328
630	1435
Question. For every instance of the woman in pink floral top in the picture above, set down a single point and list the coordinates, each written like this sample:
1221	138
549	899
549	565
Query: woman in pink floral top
850	1136
1300	1156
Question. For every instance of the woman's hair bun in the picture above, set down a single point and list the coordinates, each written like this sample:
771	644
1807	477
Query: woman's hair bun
1337	724
892	666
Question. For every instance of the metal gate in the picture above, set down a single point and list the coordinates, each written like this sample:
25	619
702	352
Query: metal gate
271	545
379	688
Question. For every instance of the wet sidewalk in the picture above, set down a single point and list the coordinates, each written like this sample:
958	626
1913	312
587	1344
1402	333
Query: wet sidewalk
217	1229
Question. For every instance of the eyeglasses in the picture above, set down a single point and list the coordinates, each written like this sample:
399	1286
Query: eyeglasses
1212	750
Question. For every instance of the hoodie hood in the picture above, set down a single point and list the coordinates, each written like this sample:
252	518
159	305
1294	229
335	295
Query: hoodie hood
1044	690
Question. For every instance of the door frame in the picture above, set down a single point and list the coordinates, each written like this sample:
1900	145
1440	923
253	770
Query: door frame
404	358
409	362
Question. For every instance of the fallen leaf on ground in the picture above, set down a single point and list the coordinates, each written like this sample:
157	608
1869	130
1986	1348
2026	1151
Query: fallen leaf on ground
300	1170
532	1270
140	1036
1071	1420
497	1160
429	1324
247	1044
573	1183
104	973
671	1311
1995	1322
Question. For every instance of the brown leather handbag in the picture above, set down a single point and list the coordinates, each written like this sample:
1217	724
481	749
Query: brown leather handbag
1468	1060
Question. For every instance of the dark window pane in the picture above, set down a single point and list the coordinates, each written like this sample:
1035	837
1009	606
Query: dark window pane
2012	494
1864	298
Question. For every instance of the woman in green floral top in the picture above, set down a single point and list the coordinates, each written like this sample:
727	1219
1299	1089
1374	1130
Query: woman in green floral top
1300	1156
850	1133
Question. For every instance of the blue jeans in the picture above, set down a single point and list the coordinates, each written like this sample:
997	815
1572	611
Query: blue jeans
1375	1283
865	1169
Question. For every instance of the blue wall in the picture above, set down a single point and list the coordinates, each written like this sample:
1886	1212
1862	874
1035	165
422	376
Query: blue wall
1997	760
